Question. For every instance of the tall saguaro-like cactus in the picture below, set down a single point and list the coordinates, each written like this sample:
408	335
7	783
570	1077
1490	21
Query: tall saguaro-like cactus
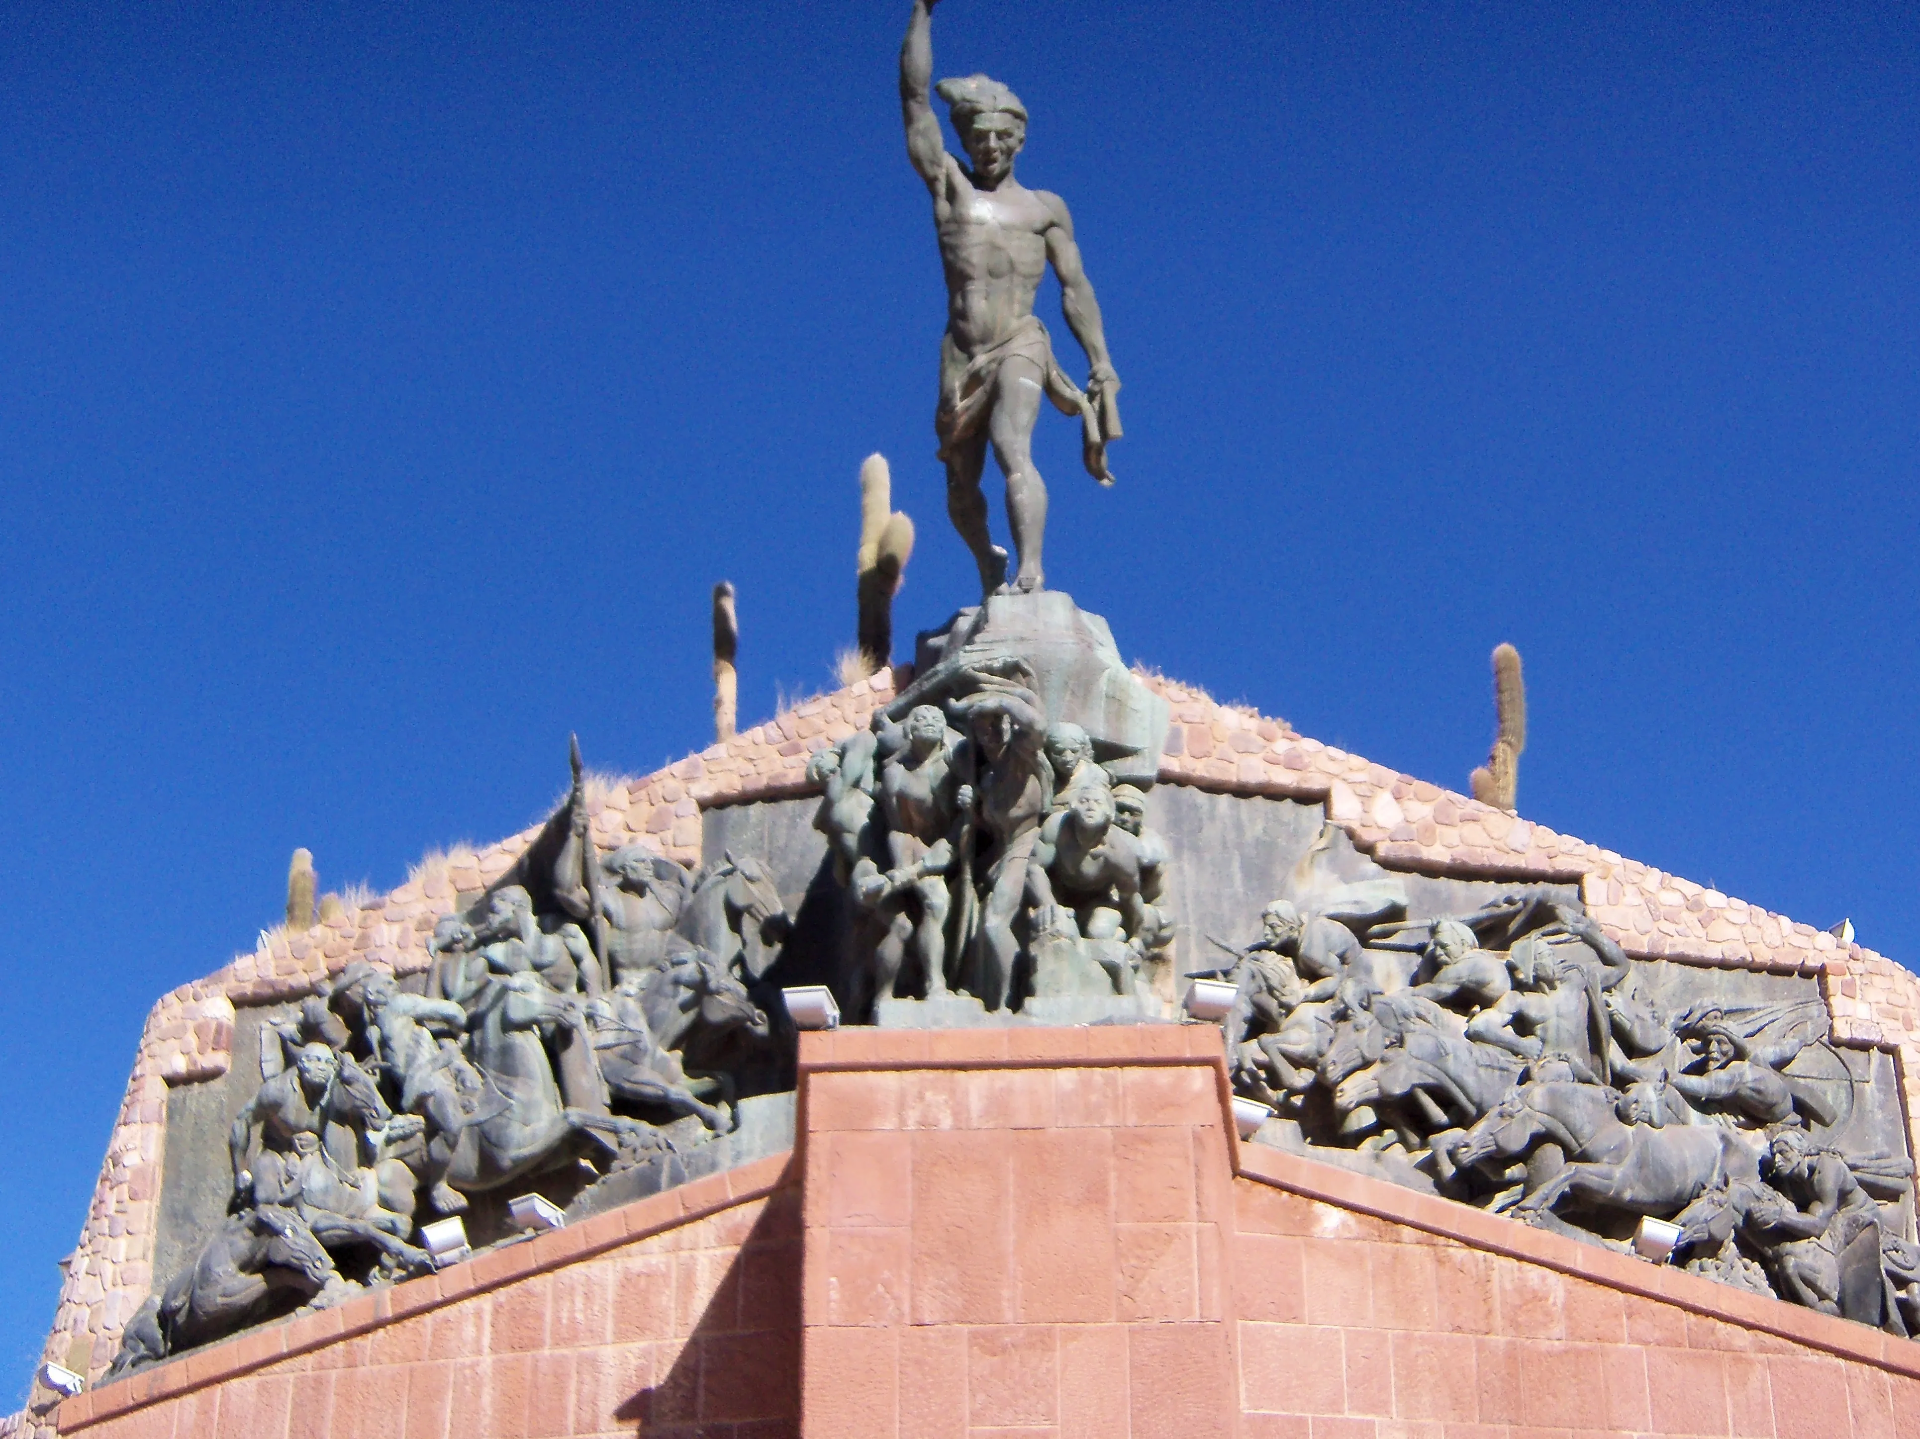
301	882
1497	782
886	543
726	644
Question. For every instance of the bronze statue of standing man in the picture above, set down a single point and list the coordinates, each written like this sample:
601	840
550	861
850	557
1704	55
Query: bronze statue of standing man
996	237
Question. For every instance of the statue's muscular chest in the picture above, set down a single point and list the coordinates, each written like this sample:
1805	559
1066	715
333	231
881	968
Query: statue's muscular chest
910	793
991	235
1088	868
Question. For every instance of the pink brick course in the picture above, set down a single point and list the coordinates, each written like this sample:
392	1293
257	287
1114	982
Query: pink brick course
1403	822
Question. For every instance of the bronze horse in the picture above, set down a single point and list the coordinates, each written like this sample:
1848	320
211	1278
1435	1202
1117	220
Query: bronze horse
1640	1168
534	1129
253	1262
699	1011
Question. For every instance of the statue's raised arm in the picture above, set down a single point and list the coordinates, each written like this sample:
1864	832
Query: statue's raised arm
926	147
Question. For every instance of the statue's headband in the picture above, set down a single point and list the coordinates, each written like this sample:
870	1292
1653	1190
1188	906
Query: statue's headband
976	95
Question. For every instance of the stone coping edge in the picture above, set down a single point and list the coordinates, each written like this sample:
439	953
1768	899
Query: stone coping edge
271	1343
1026	1047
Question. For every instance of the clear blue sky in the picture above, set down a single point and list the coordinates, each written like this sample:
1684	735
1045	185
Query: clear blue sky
382	389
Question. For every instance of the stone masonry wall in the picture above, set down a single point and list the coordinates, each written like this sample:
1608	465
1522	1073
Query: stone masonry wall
1355	1326
678	1326
1053	1233
1402	822
1010	1234
1043	1233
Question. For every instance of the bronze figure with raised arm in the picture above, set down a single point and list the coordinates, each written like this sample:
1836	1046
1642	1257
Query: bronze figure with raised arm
996	238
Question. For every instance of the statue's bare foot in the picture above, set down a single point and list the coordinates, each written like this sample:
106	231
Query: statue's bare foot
445	1199
1028	582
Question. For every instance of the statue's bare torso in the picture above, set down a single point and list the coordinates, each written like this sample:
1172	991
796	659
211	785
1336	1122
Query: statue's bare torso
993	244
914	800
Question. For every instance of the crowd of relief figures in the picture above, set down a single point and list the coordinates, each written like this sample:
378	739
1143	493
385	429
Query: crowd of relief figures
569	1021
563	1025
988	852
1515	1058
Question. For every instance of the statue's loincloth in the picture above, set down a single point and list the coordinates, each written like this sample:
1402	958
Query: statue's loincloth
967	390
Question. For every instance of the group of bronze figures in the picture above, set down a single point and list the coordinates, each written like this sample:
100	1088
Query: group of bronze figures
570	1017
1520	1067
987	851
563	1030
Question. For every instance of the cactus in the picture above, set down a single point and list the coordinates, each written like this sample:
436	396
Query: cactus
886	543
333	908
726	643
300	886
1497	782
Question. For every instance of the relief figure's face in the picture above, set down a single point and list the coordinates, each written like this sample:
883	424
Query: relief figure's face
1283	926
926	728
317	1065
633	871
1068	748
993	731
1788	1158
1092	809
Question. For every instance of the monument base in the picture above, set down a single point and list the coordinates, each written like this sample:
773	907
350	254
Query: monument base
1078	674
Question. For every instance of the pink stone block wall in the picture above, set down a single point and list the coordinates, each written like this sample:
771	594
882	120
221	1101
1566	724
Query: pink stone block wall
691	1330
1356	1327
1040	1233
1050	1234
1002	1250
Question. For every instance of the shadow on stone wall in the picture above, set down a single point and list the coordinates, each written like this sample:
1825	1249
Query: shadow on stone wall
738	1374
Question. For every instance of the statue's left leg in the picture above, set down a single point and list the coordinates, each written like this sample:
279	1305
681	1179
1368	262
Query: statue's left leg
1016	408
931	936
967	508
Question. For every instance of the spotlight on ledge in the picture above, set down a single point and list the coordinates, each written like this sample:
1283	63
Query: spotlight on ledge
1209	999
61	1380
811	1006
535	1211
1249	1115
446	1241
1655	1238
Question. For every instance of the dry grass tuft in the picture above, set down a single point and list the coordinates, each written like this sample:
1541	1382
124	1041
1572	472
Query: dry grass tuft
597	783
359	895
850	666
435	863
783	701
